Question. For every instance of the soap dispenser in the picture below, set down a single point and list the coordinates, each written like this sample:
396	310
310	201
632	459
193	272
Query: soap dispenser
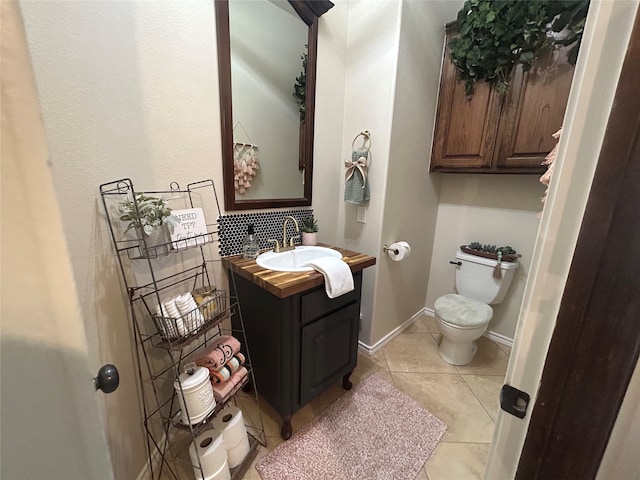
250	247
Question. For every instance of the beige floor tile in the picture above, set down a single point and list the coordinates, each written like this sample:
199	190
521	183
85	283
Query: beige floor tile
489	360
423	324
422	475
487	389
450	399
453	461
505	348
368	364
415	352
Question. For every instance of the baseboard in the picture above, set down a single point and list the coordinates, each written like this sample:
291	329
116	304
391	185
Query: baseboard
372	349
496	337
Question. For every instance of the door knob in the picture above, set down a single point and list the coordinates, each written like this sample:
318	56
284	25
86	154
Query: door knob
108	378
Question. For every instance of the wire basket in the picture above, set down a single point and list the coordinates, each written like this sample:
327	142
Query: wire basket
187	314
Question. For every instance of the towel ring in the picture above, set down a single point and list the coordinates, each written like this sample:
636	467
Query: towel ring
367	138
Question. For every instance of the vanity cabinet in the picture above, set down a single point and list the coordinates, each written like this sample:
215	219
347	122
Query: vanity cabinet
301	344
492	132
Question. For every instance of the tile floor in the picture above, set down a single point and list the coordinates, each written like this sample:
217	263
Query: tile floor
465	398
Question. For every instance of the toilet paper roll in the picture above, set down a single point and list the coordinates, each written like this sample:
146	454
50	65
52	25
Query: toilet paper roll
398	251
223	474
231	423
235	455
209	448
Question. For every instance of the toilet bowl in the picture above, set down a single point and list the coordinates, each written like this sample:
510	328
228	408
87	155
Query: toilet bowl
464	316
461	321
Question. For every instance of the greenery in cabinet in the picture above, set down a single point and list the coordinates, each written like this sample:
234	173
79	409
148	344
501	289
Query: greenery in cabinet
497	35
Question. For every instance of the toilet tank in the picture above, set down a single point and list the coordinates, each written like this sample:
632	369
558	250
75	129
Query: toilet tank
475	279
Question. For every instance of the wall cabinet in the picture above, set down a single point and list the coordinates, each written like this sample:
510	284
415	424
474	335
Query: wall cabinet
490	132
301	344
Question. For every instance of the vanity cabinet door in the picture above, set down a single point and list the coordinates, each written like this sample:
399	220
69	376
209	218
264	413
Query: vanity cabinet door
329	348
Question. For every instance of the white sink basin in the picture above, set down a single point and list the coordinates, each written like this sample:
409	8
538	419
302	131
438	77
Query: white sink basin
296	260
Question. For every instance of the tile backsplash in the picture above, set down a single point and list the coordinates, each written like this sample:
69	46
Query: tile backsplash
233	228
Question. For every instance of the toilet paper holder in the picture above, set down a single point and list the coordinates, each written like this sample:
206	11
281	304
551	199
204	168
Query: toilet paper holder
387	248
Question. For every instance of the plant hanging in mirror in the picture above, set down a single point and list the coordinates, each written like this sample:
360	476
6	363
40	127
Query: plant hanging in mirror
496	35
300	87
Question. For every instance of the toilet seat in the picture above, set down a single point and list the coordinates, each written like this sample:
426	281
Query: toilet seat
462	312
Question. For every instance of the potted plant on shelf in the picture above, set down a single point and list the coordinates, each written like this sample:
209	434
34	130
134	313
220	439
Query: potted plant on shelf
309	231
152	221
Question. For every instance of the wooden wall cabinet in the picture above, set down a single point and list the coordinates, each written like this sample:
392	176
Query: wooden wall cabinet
490	132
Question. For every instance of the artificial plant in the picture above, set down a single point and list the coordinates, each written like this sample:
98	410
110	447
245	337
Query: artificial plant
146	213
309	225
300	87
496	35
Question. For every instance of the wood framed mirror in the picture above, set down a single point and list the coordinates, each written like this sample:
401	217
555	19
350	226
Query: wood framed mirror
266	48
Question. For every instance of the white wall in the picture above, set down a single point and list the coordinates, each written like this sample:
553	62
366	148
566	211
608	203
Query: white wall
372	51
391	89
330	96
411	199
128	89
491	209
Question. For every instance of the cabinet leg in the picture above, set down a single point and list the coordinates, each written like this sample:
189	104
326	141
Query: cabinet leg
346	383
286	430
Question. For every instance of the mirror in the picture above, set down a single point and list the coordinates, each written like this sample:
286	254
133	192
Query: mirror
266	48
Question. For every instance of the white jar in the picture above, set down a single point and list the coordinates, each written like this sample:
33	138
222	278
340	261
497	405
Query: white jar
195	394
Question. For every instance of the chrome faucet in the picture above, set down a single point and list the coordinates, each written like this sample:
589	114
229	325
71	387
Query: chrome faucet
284	246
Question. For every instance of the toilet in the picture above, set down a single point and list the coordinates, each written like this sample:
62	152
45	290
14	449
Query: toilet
464	316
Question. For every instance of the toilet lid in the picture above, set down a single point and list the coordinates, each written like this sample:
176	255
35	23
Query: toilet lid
462	311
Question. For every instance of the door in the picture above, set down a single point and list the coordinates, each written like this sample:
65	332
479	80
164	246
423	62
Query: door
583	138
51	423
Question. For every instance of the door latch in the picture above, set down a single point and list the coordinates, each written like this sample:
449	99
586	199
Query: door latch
514	401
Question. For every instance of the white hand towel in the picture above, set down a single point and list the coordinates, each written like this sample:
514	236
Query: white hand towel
338	279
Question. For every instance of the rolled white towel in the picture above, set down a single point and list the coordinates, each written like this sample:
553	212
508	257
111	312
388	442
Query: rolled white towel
171	307
192	316
167	324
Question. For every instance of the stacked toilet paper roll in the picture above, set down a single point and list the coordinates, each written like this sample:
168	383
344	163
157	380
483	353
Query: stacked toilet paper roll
209	449
398	251
234	434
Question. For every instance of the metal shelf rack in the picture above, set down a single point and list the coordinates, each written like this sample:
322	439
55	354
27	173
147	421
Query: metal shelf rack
163	345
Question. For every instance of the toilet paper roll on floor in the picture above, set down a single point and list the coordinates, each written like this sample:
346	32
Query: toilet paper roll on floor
234	434
235	455
398	251
209	448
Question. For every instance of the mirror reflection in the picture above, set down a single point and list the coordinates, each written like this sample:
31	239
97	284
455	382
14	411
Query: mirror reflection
268	44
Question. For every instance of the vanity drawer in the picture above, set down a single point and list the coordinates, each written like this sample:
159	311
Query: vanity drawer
317	304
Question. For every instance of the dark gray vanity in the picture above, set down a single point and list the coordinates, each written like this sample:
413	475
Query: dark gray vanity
301	341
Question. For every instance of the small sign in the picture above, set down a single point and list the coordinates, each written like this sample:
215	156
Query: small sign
191	229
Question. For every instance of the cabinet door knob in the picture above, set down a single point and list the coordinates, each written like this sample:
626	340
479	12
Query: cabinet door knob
108	378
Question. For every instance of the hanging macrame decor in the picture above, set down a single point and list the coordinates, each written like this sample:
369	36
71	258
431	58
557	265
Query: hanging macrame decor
356	189
245	163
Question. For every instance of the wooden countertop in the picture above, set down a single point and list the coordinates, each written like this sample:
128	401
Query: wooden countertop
284	284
